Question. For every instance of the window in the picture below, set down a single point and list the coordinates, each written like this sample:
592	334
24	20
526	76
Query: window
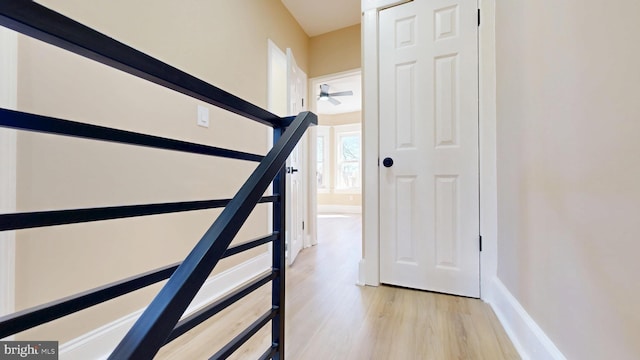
323	173
348	156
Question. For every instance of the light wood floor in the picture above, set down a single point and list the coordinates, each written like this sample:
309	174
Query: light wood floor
329	317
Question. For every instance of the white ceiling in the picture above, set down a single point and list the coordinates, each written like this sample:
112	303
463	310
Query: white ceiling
322	16
340	83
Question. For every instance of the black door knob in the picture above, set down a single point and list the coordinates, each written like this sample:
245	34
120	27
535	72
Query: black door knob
387	162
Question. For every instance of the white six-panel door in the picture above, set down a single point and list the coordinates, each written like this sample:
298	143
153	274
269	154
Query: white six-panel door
296	94
429	197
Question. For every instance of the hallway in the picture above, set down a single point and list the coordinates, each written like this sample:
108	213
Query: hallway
329	317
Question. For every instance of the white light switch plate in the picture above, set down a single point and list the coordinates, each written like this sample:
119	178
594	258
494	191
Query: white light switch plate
203	116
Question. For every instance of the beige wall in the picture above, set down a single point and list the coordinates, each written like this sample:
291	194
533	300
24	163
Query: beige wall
224	43
568	85
339	199
340	119
335	52
331	53
333	198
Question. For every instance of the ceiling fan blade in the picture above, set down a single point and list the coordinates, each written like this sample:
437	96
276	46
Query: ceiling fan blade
334	101
342	93
324	89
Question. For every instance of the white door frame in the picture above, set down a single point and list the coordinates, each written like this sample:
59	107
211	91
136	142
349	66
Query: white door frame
311	230
275	103
370	264
8	152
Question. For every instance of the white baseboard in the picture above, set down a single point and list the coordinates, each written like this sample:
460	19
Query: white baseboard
527	337
339	209
99	343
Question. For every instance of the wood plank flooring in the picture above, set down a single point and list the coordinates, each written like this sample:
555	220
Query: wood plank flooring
329	317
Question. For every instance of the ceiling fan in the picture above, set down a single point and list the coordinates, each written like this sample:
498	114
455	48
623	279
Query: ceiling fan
325	95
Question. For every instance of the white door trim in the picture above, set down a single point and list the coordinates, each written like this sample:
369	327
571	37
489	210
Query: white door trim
275	104
488	162
370	264
311	230
8	152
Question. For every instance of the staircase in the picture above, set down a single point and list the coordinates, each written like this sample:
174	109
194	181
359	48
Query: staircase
161	322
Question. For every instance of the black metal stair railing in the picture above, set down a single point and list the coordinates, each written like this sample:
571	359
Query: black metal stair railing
161	322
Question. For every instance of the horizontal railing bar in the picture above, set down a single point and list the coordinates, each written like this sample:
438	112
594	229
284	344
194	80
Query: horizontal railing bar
202	315
39	22
49	125
232	346
232	250
26	319
17	221
158	320
269	353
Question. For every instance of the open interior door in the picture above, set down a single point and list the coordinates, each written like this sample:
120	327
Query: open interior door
296	169
429	194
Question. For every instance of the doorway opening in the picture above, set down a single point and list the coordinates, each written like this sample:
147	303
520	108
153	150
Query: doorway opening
335	151
287	96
